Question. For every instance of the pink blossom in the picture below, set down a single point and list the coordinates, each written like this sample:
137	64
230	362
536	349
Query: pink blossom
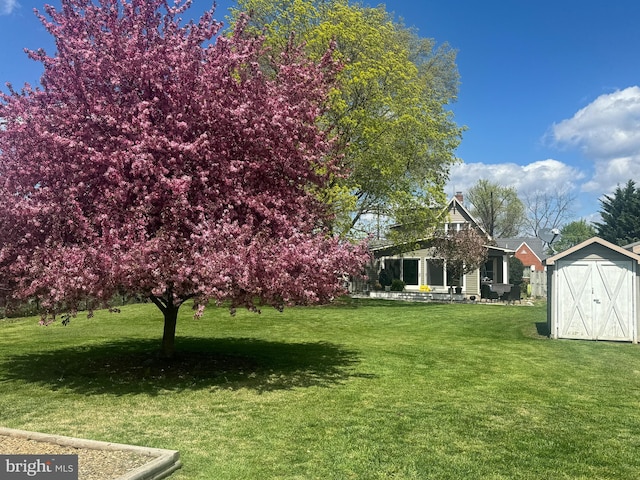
152	164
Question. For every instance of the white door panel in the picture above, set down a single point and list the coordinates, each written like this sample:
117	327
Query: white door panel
612	299
595	300
575	302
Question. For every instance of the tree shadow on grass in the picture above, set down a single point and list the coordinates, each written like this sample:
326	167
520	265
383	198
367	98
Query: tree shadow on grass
133	367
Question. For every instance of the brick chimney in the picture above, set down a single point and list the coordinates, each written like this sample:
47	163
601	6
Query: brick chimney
459	196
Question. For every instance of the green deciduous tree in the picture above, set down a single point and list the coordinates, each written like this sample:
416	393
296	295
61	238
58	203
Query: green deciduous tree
620	214
397	136
498	209
573	233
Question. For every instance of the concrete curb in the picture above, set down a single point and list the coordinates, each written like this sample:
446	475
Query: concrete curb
164	463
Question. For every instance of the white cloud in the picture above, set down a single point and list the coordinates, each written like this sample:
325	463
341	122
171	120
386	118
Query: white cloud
544	175
613	172
8	6
607	132
608	127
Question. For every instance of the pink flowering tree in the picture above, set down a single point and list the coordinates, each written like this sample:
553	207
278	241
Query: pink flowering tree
463	251
161	159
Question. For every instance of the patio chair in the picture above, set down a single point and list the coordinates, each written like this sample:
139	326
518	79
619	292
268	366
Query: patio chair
513	295
487	293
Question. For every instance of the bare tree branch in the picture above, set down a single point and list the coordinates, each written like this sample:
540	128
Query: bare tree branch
547	210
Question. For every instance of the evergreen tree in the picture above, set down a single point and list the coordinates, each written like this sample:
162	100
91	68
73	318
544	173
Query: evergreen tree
620	215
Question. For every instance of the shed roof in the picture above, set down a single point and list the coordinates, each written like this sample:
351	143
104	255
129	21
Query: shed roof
591	241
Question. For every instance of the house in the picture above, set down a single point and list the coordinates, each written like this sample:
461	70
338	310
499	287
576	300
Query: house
421	272
593	292
530	251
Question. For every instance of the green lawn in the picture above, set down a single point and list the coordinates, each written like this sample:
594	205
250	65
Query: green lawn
364	390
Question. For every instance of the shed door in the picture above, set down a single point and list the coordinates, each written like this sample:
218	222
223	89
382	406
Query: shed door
595	300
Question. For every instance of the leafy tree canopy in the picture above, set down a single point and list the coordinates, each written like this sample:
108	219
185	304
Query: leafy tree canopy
574	233
389	109
498	209
157	161
620	214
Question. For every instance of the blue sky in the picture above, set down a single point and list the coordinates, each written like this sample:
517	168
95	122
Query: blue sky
550	90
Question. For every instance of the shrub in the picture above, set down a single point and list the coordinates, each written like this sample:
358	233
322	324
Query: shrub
384	278
397	285
516	269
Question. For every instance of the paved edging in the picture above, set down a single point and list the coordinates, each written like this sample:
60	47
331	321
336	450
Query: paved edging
164	464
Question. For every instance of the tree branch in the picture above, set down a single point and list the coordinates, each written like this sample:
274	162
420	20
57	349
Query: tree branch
160	303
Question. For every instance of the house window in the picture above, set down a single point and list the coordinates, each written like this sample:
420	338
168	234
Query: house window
435	272
410	271
394	267
405	269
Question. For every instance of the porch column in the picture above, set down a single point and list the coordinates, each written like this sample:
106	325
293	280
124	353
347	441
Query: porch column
505	269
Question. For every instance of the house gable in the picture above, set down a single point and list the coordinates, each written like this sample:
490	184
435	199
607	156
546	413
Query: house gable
459	215
530	251
527	256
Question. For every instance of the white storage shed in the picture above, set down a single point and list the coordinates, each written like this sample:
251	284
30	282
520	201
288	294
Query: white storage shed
593	292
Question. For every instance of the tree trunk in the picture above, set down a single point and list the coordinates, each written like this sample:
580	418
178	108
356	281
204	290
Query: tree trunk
168	349
169	309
